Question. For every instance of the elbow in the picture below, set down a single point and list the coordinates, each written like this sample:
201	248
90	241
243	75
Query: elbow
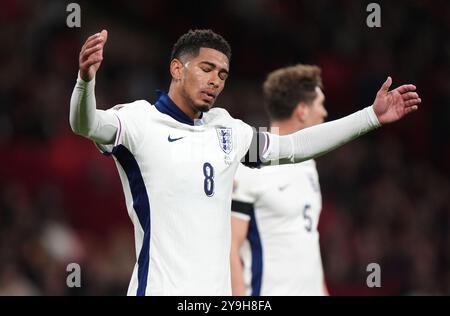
77	128
235	251
74	126
235	261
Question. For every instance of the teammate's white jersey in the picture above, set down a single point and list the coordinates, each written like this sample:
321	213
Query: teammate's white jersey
177	176
281	255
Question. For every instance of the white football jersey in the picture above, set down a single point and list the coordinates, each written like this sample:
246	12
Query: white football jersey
281	255
177	176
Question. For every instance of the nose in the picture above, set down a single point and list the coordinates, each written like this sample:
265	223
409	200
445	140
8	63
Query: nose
214	80
325	113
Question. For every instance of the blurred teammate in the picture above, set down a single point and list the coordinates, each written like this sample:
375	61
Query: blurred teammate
177	160
275	243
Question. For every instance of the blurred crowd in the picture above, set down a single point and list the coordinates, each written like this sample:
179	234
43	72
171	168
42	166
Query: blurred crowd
386	196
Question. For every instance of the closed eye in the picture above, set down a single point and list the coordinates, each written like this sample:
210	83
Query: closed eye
223	75
206	68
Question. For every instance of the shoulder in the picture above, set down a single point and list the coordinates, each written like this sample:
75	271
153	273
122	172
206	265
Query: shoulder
134	111
221	115
218	115
243	185
307	165
246	177
139	105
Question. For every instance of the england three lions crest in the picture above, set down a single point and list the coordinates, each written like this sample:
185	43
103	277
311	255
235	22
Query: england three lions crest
225	139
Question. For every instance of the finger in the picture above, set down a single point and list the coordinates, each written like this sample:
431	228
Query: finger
88	52
93	36
413	102
406	88
90	38
93	42
411	109
410	95
104	34
96	41
96	50
89	64
386	85
94	59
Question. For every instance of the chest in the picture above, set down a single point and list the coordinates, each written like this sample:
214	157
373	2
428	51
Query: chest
202	159
290	192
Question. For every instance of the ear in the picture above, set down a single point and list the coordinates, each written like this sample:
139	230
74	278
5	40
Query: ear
301	111
176	69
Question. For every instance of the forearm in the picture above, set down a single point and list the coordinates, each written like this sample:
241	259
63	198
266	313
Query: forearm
85	120
237	274
320	139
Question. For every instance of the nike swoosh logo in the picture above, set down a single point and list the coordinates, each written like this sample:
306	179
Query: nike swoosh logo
171	140
283	187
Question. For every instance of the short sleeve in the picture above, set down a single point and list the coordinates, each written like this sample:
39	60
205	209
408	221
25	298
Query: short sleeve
245	136
243	197
256	144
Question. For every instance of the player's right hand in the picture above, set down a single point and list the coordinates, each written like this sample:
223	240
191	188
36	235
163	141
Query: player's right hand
91	55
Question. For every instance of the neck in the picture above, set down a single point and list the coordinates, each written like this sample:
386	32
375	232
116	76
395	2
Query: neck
182	103
285	127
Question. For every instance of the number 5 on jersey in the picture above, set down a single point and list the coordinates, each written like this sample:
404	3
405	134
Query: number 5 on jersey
307	218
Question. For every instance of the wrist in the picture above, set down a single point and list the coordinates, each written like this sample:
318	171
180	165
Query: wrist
84	81
83	78
372	117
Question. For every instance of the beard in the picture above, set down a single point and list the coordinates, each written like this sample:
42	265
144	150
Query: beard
200	106
204	107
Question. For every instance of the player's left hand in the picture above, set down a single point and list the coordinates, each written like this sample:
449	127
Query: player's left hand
391	106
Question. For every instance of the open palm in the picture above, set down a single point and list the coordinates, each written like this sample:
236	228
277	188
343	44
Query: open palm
391	106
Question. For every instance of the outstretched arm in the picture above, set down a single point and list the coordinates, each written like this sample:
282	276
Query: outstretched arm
388	107
85	120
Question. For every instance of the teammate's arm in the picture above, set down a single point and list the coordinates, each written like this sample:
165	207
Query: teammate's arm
85	120
239	229
325	289
388	107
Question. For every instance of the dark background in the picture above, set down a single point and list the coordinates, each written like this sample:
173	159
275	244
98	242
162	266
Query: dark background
386	196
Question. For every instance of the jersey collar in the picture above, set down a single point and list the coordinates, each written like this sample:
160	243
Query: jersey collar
167	106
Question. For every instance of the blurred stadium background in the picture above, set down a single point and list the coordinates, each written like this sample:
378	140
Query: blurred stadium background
386	196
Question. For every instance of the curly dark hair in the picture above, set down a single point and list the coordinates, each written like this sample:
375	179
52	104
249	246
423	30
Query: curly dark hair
191	42
285	88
